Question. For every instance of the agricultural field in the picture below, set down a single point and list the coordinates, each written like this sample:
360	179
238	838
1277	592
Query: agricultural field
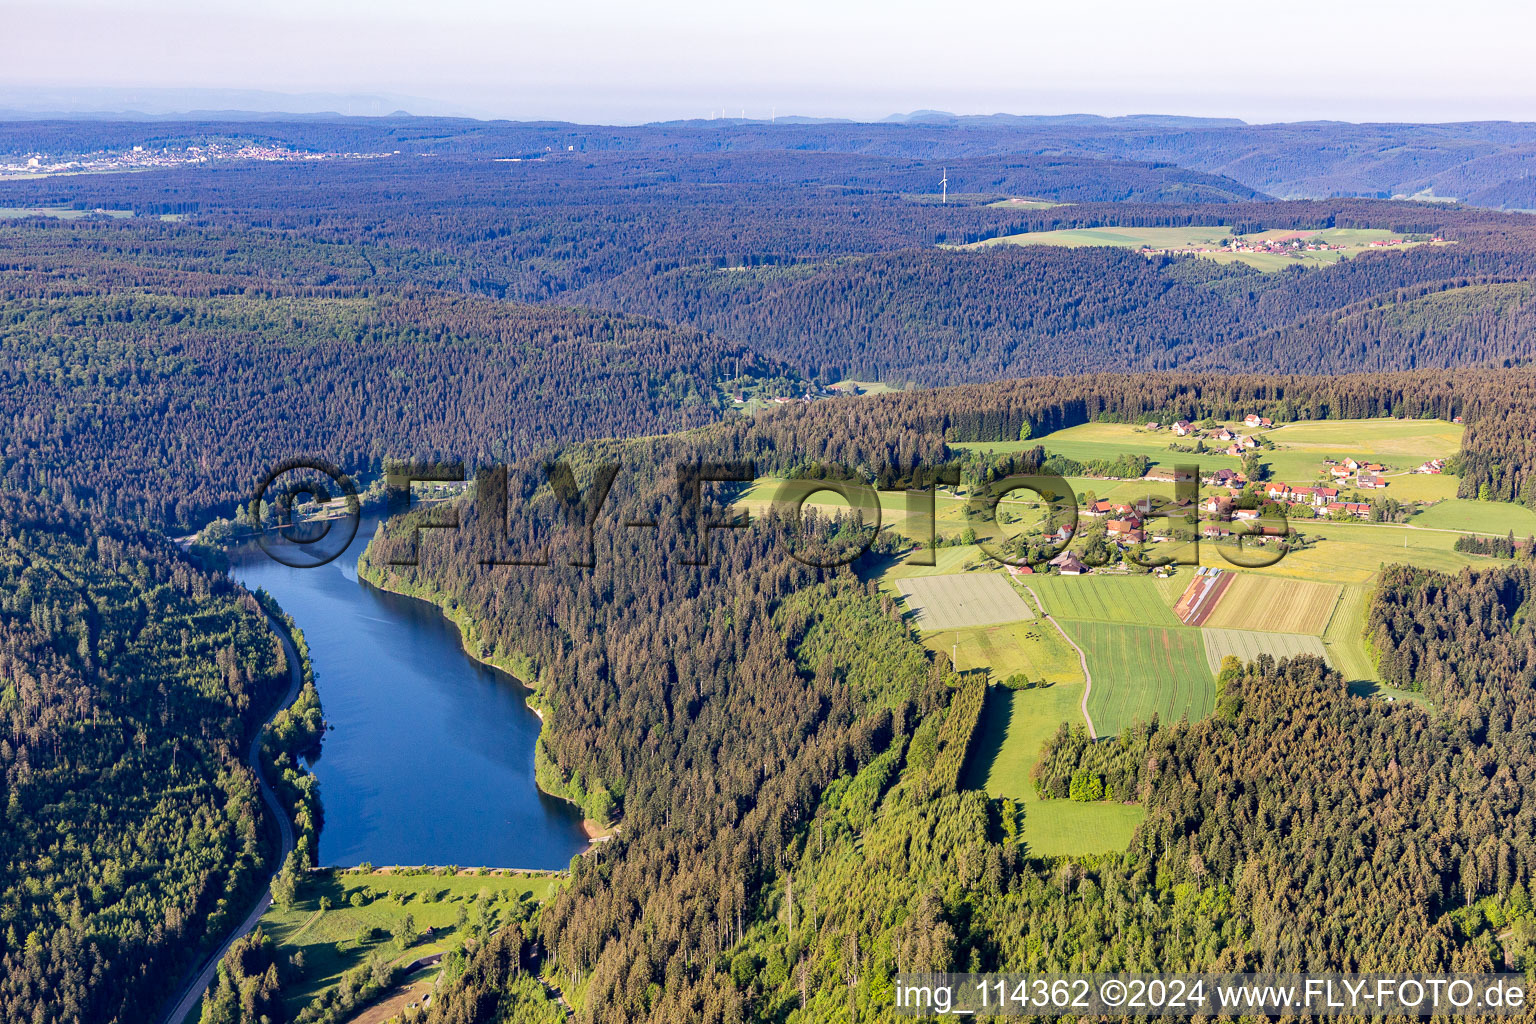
868	387
1096	441
1246	645
1214	243
958	601
1467	516
1275	604
1123	237
1128	599
1353	553
956	558
1015	725
1023	203
340	936
1382	437
60	213
1200	598
1297	457
1031	647
1139	671
1142	660
1344	636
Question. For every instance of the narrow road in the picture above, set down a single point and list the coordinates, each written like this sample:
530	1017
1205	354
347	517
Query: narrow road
553	989
193	992
1081	658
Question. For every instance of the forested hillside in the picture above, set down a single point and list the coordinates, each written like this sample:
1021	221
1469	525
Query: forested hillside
831	281
132	829
1483	164
835	850
782	756
108	391
936	317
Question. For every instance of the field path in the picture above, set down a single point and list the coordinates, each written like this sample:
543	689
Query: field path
1421	529
1081	657
192	993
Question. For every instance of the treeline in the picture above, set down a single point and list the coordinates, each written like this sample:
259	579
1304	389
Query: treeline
545	229
834	281
1498	547
883	437
131	832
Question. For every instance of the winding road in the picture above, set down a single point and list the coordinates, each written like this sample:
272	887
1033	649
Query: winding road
188	999
1081	657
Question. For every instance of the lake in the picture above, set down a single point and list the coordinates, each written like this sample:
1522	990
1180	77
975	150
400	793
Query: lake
430	757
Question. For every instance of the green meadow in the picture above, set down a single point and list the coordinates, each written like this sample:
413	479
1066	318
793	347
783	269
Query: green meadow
344	917
1015	725
1468	516
1032	647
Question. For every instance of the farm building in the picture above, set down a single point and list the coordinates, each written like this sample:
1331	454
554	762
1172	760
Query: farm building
1226	478
1068	564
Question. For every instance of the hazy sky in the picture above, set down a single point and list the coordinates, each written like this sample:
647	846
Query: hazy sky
606	61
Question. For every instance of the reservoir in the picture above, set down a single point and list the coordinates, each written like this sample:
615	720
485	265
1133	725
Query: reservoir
430	758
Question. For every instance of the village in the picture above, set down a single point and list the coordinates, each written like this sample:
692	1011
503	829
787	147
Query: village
1234	508
141	158
809	393
1294	245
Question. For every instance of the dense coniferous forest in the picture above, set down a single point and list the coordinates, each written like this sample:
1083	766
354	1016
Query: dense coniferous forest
941	317
782	756
132	831
103	389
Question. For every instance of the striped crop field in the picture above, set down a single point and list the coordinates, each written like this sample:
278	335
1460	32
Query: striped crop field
1131	599
1248	644
1139	671
1345	638
1275	604
961	600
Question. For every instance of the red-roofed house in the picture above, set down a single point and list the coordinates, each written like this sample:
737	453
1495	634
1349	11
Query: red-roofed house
1358	509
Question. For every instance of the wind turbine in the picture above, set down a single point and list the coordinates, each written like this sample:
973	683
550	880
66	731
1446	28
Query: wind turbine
944	184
